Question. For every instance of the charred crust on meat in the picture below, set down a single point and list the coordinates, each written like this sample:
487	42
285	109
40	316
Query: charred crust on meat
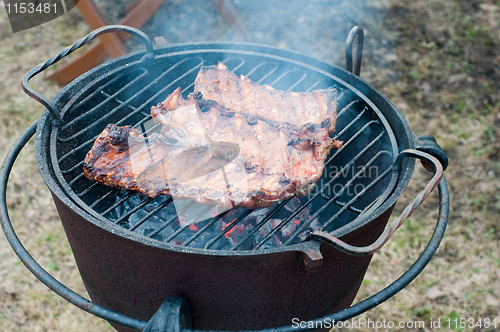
257	193
197	96
163	108
206	105
228	114
201	149
325	123
250	167
102	148
99	149
313	128
284	180
252	120
119	136
304	142
298	141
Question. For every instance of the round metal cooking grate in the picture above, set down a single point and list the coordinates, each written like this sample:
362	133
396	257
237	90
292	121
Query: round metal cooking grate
357	177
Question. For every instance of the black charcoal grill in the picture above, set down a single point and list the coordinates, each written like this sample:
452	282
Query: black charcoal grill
240	269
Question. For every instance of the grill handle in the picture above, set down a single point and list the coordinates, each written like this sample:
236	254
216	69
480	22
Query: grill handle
426	159
427	143
70	49
356	31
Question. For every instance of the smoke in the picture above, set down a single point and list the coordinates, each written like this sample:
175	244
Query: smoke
316	27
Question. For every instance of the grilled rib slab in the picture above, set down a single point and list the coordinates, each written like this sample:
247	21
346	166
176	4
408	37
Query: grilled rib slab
242	95
210	152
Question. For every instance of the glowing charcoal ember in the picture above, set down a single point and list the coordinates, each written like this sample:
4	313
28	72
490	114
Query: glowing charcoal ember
185	222
289	228
237	233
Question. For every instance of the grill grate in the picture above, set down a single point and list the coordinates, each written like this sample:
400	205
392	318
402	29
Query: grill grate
346	189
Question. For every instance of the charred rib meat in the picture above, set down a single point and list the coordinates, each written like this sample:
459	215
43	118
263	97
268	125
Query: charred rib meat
211	152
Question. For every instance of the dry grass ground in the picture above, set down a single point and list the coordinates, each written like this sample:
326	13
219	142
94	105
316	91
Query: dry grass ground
438	61
446	82
25	303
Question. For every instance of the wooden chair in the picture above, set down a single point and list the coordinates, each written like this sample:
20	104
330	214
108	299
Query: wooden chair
112	44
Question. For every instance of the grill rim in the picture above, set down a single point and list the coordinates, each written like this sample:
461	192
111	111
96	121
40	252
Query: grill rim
405	137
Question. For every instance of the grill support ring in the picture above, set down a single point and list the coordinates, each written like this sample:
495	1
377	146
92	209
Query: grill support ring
68	205
133	323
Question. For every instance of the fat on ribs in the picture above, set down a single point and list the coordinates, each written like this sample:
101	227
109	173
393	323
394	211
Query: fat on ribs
210	152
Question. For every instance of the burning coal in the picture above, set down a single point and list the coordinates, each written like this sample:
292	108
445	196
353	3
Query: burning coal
187	223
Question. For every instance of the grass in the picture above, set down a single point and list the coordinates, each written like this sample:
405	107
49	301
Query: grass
446	90
25	303
436	60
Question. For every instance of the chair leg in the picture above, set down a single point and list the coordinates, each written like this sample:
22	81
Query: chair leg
111	42
98	51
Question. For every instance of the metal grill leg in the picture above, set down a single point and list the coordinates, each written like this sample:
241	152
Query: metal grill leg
173	316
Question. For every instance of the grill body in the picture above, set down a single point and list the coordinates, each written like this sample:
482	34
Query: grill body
226	289
224	292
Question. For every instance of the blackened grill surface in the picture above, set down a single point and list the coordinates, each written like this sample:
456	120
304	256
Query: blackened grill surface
354	177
